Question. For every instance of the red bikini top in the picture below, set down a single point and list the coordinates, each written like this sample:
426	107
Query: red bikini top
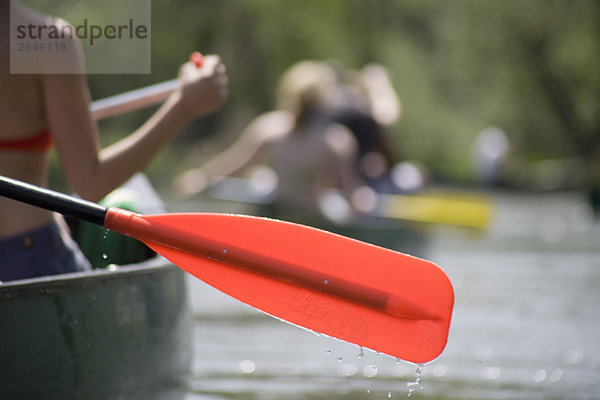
40	142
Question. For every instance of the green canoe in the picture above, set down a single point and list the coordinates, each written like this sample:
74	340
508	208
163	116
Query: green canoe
103	334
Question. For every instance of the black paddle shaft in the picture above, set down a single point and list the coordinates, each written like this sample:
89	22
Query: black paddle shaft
53	201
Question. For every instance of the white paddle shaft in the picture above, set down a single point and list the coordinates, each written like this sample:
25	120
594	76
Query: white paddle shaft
133	100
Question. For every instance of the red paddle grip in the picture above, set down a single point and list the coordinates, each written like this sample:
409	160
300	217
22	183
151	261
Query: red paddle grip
197	58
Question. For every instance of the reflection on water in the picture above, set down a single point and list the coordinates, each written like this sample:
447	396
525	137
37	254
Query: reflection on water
526	323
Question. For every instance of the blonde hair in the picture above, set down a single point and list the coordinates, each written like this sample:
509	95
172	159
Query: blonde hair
303	87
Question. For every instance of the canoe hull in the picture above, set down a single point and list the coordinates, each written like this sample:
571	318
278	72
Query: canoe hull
102	334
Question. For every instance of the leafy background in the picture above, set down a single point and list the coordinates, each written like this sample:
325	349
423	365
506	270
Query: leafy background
528	67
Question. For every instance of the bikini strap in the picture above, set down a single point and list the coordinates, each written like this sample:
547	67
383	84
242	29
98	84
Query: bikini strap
40	142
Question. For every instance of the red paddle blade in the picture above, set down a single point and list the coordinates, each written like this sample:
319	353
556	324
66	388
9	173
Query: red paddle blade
374	297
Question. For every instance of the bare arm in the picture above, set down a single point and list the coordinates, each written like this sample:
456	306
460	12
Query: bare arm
246	151
94	172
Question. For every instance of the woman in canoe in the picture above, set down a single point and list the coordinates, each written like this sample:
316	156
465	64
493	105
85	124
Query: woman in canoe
308	152
44	111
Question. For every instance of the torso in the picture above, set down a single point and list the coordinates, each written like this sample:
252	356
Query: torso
22	115
300	159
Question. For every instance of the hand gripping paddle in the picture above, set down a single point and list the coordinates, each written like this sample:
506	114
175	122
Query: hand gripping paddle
357	292
139	98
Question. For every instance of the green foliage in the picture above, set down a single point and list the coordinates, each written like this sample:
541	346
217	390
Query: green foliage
529	67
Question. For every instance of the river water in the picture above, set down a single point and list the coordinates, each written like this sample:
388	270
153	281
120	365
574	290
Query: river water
526	322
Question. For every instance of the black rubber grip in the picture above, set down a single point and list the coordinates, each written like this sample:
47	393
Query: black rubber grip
53	201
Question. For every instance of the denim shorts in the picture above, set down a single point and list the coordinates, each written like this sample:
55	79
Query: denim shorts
43	251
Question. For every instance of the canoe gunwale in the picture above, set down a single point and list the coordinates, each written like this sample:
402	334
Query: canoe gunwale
55	284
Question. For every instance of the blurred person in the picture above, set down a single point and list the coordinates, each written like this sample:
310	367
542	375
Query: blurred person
309	153
367	104
42	111
490	151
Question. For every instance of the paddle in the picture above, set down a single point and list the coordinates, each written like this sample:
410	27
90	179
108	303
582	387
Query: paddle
374	297
139	98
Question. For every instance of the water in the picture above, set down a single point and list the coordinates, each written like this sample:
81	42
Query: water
417	384
526	323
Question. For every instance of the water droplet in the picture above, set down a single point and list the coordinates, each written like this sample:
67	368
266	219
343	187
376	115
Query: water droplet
361	353
247	366
326	281
328	351
539	376
389	395
339	358
483	354
104	256
416	384
347	370
491	373
370	371
574	357
556	375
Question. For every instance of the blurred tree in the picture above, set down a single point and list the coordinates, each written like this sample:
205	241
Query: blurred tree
459	65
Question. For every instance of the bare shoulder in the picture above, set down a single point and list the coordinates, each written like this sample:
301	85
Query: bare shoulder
270	126
57	46
340	140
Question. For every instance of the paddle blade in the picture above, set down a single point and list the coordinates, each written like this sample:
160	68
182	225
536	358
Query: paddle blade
374	297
